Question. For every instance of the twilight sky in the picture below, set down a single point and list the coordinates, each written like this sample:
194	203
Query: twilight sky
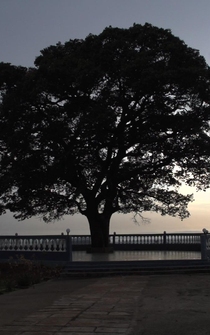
28	26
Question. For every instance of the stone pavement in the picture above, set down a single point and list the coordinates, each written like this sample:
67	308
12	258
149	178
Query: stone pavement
143	305
100	306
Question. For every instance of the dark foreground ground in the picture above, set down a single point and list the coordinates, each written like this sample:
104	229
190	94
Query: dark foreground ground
145	305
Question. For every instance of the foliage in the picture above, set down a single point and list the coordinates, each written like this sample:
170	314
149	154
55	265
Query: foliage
112	123
22	273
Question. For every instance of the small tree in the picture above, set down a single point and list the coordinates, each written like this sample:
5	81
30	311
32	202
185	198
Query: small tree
112	123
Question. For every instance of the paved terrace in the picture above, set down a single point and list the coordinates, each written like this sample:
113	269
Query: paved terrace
144	305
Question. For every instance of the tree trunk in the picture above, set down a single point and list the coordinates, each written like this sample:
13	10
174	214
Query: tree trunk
99	230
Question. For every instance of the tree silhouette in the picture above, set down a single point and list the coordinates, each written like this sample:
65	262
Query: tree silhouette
112	123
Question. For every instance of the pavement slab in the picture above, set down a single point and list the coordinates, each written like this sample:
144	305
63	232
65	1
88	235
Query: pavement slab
174	304
101	306
126	305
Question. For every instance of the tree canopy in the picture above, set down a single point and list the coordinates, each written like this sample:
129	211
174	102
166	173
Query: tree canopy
112	123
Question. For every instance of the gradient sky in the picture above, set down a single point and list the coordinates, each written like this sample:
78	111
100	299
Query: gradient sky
28	26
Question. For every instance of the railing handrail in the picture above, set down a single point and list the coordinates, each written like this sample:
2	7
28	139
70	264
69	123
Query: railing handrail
88	235
60	246
33	236
114	239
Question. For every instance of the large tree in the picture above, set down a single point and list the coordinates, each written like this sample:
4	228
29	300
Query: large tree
112	123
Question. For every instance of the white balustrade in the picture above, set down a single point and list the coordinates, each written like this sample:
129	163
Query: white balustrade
34	244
